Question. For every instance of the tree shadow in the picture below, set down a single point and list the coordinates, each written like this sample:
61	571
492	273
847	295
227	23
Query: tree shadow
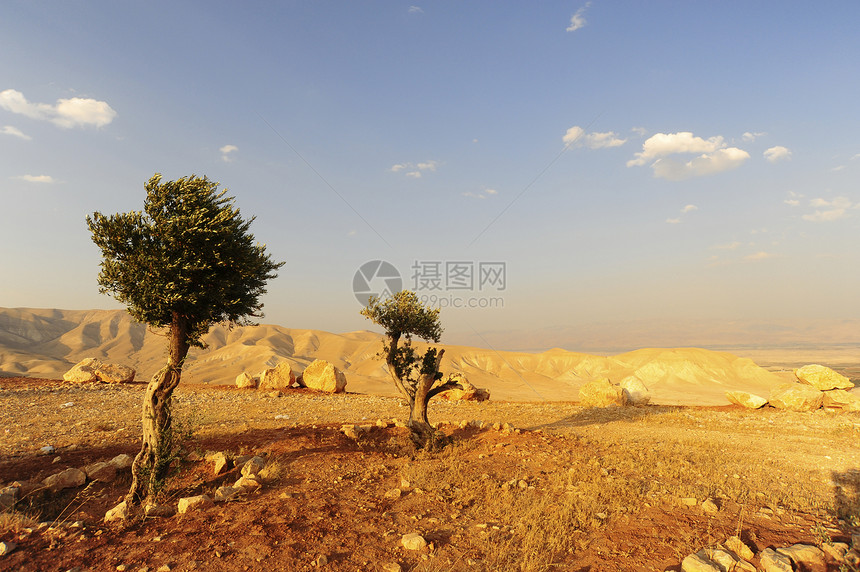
604	415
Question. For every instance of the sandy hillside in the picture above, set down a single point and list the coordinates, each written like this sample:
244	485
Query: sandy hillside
47	342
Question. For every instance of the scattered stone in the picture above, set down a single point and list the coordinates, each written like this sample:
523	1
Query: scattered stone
466	391
796	397
699	562
162	510
822	378
349	431
392	567
246	381
603	393
90	370
47	450
413	541
278	377
842	399
221	463
7	547
747	400
689	501
321	561
710	506
252	467
636	390
836	550
103	472
804	555
122	461
198	502
324	376
8	497
119	512
772	561
737	546
67	479
393	494
228	493
723	559
247	483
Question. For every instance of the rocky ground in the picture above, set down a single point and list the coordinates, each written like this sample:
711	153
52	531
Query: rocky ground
573	489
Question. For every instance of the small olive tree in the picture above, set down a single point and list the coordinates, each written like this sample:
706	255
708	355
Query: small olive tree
415	375
185	262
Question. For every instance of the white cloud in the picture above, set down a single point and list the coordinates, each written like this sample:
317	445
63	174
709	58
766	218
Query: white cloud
791	202
577	136
415	10
705	164
761	255
491	191
482	195
414	170
663	144
827	211
673	220
36	178
728	246
747	136
66	113
778	153
226	151
15	132
640	131
689	208
578	20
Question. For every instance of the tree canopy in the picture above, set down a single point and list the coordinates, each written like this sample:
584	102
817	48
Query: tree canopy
189	252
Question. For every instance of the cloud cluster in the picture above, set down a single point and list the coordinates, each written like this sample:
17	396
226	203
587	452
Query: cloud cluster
414	170
482	195
685	210
66	113
577	136
714	156
578	20
15	132
35	178
226	151
826	211
777	154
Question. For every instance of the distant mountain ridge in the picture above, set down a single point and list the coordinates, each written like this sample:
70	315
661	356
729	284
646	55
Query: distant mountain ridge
47	342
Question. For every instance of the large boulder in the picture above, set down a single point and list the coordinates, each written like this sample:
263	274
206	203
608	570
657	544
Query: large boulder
468	392
278	377
246	381
89	370
603	393
636	390
68	479
796	397
323	376
745	399
822	378
842	399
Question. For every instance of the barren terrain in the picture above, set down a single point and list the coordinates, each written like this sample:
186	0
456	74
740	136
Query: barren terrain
573	489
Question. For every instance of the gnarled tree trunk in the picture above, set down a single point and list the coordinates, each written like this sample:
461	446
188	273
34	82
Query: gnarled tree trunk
152	463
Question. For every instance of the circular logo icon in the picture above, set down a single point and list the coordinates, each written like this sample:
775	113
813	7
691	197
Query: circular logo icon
376	278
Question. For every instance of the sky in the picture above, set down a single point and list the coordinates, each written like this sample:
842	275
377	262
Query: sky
527	167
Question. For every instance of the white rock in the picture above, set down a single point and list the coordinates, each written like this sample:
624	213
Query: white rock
413	541
7	547
253	466
842	399
246	381
804	555
198	502
699	563
122	461
228	493
745	399
737	546
67	479
221	462
772	561
324	376
119	512
603	393
822	378
278	377
103	472
83	372
639	394
47	450
796	397
114	373
158	510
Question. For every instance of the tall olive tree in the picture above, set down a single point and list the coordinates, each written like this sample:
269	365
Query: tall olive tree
184	263
415	375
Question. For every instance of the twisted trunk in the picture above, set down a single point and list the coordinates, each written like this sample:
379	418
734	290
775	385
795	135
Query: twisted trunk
152	463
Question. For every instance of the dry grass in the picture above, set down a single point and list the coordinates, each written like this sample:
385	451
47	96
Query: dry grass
16	522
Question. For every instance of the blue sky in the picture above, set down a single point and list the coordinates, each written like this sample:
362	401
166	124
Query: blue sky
624	160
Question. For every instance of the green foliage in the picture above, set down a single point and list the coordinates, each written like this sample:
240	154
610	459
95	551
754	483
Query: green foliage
188	253
403	316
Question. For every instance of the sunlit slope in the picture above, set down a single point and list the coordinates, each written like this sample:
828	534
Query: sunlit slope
47	342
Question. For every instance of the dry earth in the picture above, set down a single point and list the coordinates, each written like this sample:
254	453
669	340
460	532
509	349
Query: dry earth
575	489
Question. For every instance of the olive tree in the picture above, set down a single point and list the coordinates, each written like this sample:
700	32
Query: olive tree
184	263
415	374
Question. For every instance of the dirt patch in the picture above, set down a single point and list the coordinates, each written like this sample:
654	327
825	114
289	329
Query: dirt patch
574	489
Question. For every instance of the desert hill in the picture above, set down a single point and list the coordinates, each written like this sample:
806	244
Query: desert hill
47	342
